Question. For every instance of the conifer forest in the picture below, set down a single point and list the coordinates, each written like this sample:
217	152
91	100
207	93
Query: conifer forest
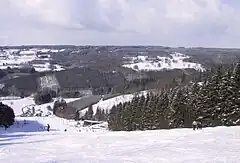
214	102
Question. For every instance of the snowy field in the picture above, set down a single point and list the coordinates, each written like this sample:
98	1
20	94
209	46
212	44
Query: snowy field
211	145
16	58
176	61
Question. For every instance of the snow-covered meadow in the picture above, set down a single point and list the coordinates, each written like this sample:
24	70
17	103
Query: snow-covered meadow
176	61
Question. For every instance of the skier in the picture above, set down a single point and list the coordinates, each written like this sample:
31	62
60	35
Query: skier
48	127
194	124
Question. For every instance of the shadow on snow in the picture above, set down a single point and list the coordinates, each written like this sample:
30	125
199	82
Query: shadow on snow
24	126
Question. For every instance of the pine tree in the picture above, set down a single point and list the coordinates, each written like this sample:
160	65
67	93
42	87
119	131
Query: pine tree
134	111
140	113
214	98
106	115
112	118
162	111
119	117
7	115
128	117
102	115
179	115
231	114
98	115
90	113
149	112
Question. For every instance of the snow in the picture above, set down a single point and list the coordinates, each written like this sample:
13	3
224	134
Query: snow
47	67
14	58
109	103
17	105
159	63
210	145
10	98
28	102
28	141
16	61
27	52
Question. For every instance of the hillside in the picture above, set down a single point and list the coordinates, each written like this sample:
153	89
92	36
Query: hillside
107	104
212	101
81	70
19	105
210	145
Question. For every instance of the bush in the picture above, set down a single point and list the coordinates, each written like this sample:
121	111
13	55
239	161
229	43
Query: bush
59	105
6	115
44	96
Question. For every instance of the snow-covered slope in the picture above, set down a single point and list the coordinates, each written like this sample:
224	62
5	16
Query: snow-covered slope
210	145
109	103
37	124
28	102
28	141
176	61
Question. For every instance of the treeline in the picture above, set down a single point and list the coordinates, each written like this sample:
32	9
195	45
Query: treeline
100	115
214	102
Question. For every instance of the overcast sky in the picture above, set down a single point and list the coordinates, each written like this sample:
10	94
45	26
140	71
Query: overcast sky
208	23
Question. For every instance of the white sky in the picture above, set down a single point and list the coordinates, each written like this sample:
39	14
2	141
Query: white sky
121	22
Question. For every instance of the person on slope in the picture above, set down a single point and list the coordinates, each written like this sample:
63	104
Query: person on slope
194	124
48	127
199	125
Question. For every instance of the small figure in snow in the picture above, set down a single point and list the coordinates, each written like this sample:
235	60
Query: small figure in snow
48	127
194	124
65	130
199	125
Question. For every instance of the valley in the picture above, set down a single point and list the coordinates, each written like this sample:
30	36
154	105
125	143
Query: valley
95	96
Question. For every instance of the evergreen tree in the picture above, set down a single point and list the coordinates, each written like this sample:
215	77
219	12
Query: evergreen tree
106	115
162	111
7	115
179	115
90	113
135	105
112	118
98	115
140	113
